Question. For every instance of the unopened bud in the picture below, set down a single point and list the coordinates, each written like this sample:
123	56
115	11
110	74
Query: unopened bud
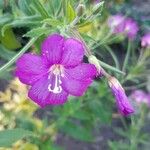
93	60
114	82
123	104
80	10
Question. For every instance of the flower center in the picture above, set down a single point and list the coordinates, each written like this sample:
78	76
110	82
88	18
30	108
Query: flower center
56	72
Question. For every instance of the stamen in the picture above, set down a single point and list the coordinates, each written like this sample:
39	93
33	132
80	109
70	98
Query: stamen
57	72
57	87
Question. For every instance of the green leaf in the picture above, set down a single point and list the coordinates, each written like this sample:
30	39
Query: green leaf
82	115
9	40
8	137
5	53
24	6
38	32
56	6
76	131
22	22
52	22
2	3
40	8
70	13
13	59
100	111
5	19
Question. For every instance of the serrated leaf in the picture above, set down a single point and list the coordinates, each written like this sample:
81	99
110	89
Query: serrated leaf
37	32
8	137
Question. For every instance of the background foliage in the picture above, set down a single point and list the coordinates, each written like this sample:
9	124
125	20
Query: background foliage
92	120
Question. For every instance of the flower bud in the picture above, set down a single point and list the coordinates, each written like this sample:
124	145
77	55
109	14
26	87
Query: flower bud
80	10
124	107
145	41
93	60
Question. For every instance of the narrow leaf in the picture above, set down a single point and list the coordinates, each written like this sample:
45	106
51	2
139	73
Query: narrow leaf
8	137
37	32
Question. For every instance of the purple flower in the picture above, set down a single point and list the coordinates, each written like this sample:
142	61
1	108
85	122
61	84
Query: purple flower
116	23
145	41
140	97
120	24
125	108
131	28
58	72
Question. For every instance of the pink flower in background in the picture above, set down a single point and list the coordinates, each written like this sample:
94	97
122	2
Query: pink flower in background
145	41
140	97
131	28
120	24
116	23
124	107
58	72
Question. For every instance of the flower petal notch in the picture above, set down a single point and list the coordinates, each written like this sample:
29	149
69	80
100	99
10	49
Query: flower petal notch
57	73
124	107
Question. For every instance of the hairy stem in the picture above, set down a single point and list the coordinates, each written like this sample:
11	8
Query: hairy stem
23	50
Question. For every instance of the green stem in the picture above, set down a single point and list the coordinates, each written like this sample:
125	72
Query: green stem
127	56
136	126
136	86
23	50
113	55
105	38
124	122
89	53
110	67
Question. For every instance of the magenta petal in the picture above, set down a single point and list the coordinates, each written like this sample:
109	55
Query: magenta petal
131	28
145	41
52	48
39	94
28	78
73	53
30	68
75	87
124	107
123	104
82	72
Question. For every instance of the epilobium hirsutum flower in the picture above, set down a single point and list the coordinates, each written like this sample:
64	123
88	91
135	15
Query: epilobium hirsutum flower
121	24
140	97
57	73
116	23
124	107
145	41
131	28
